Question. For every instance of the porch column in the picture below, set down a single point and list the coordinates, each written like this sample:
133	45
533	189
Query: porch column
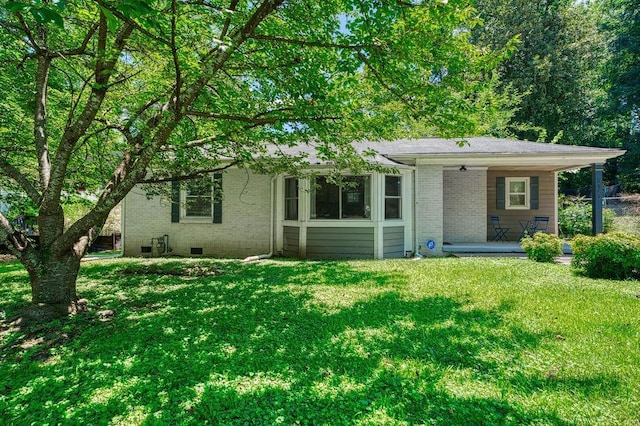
596	198
429	208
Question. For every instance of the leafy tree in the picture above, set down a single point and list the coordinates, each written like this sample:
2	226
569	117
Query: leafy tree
621	22
102	95
556	66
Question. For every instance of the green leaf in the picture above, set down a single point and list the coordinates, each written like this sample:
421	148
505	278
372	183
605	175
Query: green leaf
112	21
14	6
44	15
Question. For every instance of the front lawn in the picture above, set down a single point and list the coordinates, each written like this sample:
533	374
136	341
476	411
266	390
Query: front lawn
436	341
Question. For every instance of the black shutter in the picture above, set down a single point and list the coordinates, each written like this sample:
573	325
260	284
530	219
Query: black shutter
500	193
217	198
175	202
535	192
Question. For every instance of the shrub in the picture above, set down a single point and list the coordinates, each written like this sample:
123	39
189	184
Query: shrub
613	256
575	219
542	247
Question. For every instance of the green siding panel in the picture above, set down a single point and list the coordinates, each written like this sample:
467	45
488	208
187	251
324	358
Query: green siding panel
393	242
340	243
291	241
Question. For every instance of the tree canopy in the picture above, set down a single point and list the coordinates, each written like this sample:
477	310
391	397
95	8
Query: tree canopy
620	19
101	95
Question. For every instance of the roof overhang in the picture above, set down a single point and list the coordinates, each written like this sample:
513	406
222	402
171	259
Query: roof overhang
543	162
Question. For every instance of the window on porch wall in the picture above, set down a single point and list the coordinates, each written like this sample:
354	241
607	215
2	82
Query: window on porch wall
517	193
351	200
392	197
291	199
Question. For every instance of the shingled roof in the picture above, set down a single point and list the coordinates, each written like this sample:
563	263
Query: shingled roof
478	145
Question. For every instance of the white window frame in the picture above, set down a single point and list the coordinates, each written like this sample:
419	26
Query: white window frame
508	193
395	197
197	219
340	201
288	197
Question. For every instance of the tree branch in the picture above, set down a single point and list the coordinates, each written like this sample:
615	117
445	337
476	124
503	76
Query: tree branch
103	71
17	241
21	180
193	175
259	120
384	84
227	22
138	27
312	43
27	31
40	134
174	55
133	164
82	49
237	38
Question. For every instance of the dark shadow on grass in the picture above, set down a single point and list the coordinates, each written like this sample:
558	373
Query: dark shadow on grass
15	291
251	346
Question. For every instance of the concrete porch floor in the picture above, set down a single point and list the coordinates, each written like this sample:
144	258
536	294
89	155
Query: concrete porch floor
488	247
498	249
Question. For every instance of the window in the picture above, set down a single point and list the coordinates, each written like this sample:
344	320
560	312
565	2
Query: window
291	199
517	192
351	200
199	200
392	197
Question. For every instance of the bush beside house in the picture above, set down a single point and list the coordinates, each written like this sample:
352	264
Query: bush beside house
612	256
575	219
542	247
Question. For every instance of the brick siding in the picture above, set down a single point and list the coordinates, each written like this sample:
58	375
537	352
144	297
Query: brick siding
244	230
465	206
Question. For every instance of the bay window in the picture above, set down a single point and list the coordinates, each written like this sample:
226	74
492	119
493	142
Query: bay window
349	200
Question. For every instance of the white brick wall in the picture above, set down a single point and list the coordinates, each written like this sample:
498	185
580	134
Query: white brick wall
429	207
465	206
244	229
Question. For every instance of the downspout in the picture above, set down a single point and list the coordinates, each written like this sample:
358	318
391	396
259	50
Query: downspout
271	227
123	222
416	248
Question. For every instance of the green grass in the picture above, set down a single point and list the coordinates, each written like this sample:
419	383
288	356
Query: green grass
437	341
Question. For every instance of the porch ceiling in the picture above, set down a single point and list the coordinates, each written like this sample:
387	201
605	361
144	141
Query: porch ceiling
515	162
504	154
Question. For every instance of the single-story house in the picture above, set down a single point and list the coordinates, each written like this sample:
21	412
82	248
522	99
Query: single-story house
441	193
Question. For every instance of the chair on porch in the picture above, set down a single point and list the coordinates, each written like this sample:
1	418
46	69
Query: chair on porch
540	224
501	232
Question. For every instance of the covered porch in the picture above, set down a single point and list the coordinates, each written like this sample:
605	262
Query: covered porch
491	247
457	214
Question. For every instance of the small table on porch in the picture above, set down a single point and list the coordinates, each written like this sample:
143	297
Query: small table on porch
525	225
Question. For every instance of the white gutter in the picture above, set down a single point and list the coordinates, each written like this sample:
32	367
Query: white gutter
416	253
549	161
123	221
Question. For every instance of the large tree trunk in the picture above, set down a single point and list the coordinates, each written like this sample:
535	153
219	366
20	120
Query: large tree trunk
53	263
53	286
